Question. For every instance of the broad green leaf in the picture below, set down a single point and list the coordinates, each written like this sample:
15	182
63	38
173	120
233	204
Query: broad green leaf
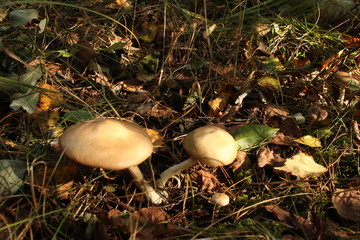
11	174
27	101
21	17
249	136
77	115
309	141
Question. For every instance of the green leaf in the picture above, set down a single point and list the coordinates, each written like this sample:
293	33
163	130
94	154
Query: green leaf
249	136
27	101
11	174
42	25
21	17
77	115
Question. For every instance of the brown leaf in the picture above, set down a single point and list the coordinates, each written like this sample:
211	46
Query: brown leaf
218	104
297	222
85	52
302	166
267	157
275	110
242	161
152	214
347	203
207	180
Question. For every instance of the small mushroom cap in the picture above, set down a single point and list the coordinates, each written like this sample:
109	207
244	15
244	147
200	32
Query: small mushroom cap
220	199
211	145
317	113
107	143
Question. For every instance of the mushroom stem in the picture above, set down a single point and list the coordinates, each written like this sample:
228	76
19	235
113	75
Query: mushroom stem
149	191
174	170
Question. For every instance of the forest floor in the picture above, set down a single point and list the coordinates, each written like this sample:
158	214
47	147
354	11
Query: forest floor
282	77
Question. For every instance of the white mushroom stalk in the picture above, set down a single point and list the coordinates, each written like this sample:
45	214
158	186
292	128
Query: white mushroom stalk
209	145
111	144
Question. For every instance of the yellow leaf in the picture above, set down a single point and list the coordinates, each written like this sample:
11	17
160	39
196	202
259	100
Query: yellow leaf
49	97
309	141
270	83
302	166
156	138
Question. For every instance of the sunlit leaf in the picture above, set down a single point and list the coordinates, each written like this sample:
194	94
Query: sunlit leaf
21	17
272	64
249	136
302	166
270	83
11	174
309	141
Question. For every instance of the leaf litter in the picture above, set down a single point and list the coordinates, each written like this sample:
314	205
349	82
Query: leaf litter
284	86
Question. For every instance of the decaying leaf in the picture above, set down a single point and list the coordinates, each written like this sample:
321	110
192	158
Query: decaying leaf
275	110
270	83
302	166
347	203
309	141
218	104
267	157
242	162
295	221
350	80
152	214
207	180
147	31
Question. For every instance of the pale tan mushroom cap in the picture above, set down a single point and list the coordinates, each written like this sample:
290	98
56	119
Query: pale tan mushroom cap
211	145
220	199
107	143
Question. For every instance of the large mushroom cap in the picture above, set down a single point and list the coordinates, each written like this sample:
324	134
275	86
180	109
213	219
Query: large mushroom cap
211	145
107	143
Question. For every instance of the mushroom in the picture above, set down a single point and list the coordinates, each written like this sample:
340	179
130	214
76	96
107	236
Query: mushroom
220	199
111	144
316	114
209	145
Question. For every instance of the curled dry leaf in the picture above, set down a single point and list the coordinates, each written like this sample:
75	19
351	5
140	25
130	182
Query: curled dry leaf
295	221
347	203
267	157
302	166
218	104
275	110
242	162
156	138
208	180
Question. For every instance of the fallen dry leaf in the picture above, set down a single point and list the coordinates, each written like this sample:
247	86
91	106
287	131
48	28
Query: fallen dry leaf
242	162
347	203
156	138
275	110
152	214
309	141
218	104
302	166
297	222
207	180
267	157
